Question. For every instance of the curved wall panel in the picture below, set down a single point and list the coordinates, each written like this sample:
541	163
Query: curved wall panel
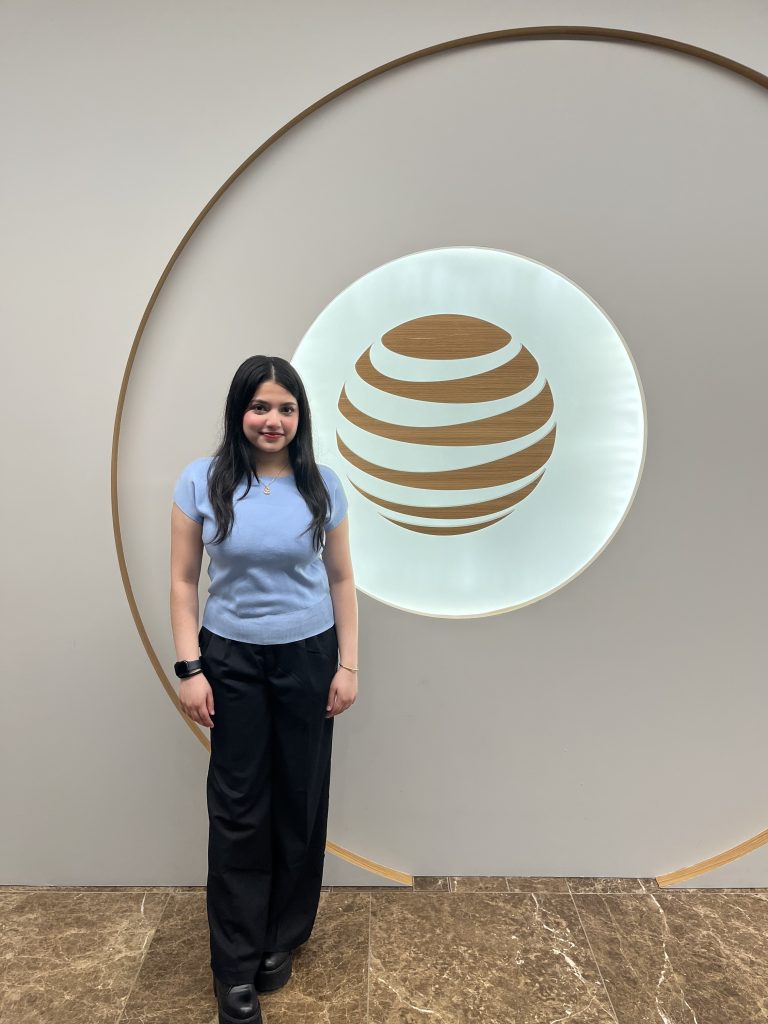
561	738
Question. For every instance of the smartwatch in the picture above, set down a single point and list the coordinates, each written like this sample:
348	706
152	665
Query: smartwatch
184	669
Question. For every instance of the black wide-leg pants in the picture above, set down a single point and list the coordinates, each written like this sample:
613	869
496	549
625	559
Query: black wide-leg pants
267	793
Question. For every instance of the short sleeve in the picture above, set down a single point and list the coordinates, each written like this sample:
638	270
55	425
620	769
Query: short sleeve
184	493
338	499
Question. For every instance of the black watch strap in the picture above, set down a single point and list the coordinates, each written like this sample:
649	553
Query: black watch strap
184	669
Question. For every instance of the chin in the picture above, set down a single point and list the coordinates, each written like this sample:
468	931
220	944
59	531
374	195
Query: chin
272	446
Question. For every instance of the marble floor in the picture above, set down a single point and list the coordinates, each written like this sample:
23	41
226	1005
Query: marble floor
448	950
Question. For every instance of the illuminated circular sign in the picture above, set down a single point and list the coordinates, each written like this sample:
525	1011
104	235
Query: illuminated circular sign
488	423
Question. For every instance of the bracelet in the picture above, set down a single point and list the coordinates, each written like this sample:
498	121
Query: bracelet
347	668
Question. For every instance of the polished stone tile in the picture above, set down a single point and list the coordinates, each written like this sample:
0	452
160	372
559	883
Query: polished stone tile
537	884
485	957
101	888
72	957
330	972
508	883
175	982
329	981
485	953
478	883
681	957
612	885
370	888
762	891
431	883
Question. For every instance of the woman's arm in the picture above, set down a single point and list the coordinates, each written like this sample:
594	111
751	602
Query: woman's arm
186	560
338	566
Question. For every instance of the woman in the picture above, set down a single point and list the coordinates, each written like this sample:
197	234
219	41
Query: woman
277	663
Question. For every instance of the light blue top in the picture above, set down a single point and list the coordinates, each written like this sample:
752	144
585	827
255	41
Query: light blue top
267	583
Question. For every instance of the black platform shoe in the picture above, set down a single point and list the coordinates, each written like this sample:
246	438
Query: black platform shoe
238	1004
274	970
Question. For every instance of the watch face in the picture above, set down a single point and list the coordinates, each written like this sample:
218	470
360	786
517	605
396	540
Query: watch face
181	668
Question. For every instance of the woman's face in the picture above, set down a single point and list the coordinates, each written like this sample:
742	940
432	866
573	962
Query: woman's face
271	411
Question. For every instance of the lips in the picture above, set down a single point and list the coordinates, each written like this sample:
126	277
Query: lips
264	433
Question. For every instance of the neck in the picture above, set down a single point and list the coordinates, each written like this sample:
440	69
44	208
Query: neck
279	465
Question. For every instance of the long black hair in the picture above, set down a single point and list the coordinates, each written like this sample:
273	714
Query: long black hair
233	459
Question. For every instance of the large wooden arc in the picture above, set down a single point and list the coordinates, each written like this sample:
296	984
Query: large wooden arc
572	32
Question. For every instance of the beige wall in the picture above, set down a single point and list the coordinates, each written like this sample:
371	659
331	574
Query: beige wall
613	728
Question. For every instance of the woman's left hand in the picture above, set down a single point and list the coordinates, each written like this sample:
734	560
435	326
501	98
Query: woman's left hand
342	692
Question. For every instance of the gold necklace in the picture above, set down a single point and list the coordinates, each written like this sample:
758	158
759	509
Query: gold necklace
266	485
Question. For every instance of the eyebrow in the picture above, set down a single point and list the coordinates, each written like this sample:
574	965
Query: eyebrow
262	401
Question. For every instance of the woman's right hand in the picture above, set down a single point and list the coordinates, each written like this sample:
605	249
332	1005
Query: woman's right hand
196	699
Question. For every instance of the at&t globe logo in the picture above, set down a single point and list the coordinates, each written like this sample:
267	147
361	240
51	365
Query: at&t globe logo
459	339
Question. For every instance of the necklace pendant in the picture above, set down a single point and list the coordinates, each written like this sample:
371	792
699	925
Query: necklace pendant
266	488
